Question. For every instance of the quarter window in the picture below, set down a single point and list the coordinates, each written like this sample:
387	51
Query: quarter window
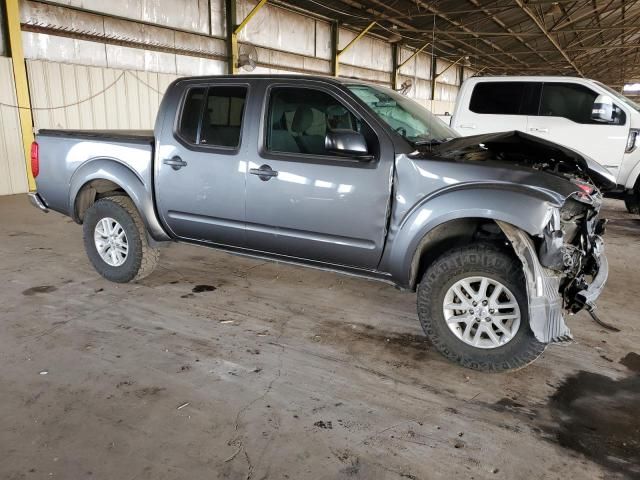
505	98
299	119
216	121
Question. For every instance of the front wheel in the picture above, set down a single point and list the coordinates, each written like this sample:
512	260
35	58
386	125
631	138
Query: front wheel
472	305
632	200
116	242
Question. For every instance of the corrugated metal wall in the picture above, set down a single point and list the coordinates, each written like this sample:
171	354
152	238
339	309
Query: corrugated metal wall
94	97
129	51
13	173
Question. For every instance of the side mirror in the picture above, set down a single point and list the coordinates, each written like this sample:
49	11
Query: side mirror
347	143
602	110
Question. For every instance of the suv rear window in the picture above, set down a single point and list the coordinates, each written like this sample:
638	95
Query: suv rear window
505	98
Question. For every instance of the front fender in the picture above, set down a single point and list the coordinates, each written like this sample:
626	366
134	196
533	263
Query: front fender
528	210
137	188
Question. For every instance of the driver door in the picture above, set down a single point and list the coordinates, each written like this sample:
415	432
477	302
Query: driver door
315	205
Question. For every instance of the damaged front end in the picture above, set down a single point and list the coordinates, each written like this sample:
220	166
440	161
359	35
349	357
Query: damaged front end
565	268
563	261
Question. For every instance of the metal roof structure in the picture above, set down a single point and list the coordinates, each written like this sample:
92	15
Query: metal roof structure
598	39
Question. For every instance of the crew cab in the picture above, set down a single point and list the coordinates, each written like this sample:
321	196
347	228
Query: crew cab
578	113
499	234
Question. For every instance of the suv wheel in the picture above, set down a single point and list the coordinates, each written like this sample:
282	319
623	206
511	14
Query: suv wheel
632	200
116	242
472	305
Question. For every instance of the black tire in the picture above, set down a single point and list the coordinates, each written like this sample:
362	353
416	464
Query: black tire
632	201
476	260
141	258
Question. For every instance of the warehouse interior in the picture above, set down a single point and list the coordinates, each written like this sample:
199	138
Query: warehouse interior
222	366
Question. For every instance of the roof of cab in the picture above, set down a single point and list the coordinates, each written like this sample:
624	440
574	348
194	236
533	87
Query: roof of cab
264	76
323	78
529	78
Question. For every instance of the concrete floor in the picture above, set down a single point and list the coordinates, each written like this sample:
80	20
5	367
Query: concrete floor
285	372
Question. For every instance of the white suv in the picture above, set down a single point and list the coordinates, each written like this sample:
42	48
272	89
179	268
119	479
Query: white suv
579	113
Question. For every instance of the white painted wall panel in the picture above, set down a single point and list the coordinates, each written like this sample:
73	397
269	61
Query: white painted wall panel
451	74
468	72
94	97
277	28
368	52
13	172
183	14
40	46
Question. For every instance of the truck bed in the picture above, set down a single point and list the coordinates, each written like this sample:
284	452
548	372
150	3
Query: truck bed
70	159
144	136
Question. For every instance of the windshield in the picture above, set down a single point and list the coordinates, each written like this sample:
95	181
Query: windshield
619	96
411	120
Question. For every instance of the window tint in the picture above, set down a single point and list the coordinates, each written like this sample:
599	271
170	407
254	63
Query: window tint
223	116
571	101
505	98
299	119
191	112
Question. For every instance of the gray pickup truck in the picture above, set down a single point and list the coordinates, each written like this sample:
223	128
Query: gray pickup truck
499	234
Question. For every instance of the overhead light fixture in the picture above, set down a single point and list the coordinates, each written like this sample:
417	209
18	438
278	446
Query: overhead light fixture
631	87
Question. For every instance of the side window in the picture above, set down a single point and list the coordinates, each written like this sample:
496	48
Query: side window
299	118
499	98
223	114
572	101
191	112
213	115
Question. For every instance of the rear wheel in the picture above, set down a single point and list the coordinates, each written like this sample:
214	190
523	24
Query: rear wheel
115	240
472	304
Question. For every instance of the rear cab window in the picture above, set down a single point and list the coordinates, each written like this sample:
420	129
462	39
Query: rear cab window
212	116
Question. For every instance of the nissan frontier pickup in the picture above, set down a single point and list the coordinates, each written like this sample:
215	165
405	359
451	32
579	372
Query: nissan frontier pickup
499	234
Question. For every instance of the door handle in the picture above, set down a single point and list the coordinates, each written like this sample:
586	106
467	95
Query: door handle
540	130
176	162
264	172
467	125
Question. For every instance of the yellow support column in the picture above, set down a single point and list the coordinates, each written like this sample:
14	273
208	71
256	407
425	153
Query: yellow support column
22	87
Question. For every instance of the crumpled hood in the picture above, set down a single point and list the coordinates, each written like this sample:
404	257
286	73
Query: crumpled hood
524	149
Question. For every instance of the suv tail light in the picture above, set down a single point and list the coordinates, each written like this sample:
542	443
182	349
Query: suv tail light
35	159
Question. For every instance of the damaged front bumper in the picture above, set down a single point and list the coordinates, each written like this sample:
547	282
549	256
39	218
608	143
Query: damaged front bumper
586	297
546	303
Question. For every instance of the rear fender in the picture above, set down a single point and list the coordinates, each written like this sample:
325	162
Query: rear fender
127	179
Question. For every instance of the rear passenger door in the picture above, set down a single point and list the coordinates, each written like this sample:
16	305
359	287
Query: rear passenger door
498	107
315	205
200	167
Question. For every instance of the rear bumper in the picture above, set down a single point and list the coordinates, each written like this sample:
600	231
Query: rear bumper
36	201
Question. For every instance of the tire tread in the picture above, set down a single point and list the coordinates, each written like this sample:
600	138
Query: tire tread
455	262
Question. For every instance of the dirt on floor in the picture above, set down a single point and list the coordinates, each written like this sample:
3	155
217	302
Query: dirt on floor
219	366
